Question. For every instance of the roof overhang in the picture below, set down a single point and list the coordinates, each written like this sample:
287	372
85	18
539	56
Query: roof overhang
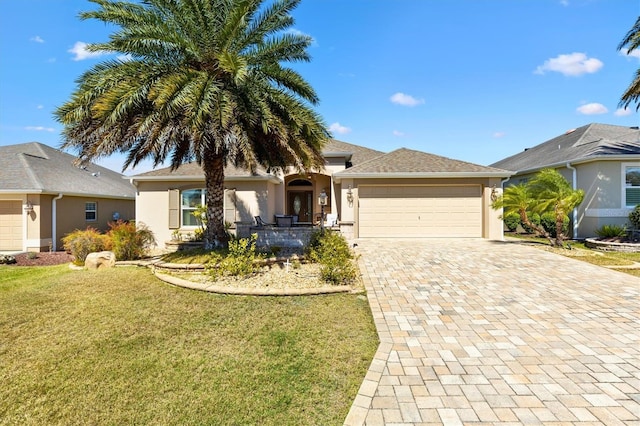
338	154
595	158
258	178
433	175
66	194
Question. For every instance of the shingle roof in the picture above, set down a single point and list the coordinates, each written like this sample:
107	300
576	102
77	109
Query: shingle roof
407	162
358	154
194	170
593	141
37	168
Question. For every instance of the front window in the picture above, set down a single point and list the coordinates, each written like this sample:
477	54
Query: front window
632	185
191	199
91	211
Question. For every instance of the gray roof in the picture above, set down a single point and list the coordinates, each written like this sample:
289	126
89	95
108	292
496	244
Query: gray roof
193	170
409	163
587	143
37	168
359	154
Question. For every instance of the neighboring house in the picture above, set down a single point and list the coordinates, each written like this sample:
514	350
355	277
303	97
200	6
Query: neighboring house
601	159
44	195
404	193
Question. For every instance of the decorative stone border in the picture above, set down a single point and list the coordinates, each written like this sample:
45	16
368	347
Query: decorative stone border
239	291
156	264
611	246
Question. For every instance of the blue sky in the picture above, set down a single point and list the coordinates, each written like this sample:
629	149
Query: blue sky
474	80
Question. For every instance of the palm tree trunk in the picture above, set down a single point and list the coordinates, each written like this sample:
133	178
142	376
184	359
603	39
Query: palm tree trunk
215	235
559	225
524	217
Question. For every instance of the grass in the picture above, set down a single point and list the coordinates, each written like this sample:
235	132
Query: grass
581	252
119	347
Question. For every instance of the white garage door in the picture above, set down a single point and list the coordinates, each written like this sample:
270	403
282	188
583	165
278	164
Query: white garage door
10	225
420	211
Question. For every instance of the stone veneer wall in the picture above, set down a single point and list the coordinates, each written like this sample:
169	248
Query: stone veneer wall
286	237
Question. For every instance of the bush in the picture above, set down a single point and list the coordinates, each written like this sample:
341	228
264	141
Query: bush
634	217
7	259
81	243
548	222
240	261
511	221
535	219
611	231
129	241
332	252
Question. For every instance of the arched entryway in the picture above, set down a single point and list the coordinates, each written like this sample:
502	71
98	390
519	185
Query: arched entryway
302	193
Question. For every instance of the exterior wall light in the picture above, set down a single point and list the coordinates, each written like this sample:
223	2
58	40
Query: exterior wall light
322	200
28	208
350	195
494	194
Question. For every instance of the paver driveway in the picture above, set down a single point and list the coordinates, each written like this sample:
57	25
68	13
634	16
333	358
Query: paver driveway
474	331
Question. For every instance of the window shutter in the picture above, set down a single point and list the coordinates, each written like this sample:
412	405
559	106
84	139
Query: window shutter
174	209
230	206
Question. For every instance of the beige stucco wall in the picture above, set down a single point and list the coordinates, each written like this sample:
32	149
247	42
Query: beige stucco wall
253	198
38	225
71	214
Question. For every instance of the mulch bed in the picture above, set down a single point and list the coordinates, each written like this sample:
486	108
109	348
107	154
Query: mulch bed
43	259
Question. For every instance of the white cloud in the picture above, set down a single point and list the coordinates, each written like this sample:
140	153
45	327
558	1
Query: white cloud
406	100
37	39
621	112
398	133
81	53
40	107
592	109
339	128
564	2
634	54
40	129
125	58
499	134
573	64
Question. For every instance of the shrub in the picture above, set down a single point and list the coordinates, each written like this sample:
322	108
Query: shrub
611	231
535	219
7	259
548	222
129	241
240	261
634	217
81	243
511	221
332	252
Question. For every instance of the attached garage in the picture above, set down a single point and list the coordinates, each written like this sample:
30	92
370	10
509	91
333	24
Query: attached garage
10	225
420	211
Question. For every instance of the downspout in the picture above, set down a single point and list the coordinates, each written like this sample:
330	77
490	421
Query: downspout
54	222
574	184
133	182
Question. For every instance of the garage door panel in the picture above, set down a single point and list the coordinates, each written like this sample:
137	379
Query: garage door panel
420	211
11	225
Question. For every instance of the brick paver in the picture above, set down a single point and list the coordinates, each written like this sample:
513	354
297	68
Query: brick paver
483	332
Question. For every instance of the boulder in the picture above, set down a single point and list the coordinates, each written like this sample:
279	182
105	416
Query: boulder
102	259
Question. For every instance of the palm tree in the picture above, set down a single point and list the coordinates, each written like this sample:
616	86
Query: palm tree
552	192
518	199
548	191
631	42
202	80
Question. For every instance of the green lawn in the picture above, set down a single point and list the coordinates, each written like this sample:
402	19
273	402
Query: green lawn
581	252
120	347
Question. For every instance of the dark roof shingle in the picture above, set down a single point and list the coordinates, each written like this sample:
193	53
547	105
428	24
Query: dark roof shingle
582	144
37	168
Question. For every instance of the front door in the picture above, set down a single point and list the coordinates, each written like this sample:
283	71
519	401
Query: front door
301	204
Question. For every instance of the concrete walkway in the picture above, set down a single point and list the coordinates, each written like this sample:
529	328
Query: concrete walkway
481	332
